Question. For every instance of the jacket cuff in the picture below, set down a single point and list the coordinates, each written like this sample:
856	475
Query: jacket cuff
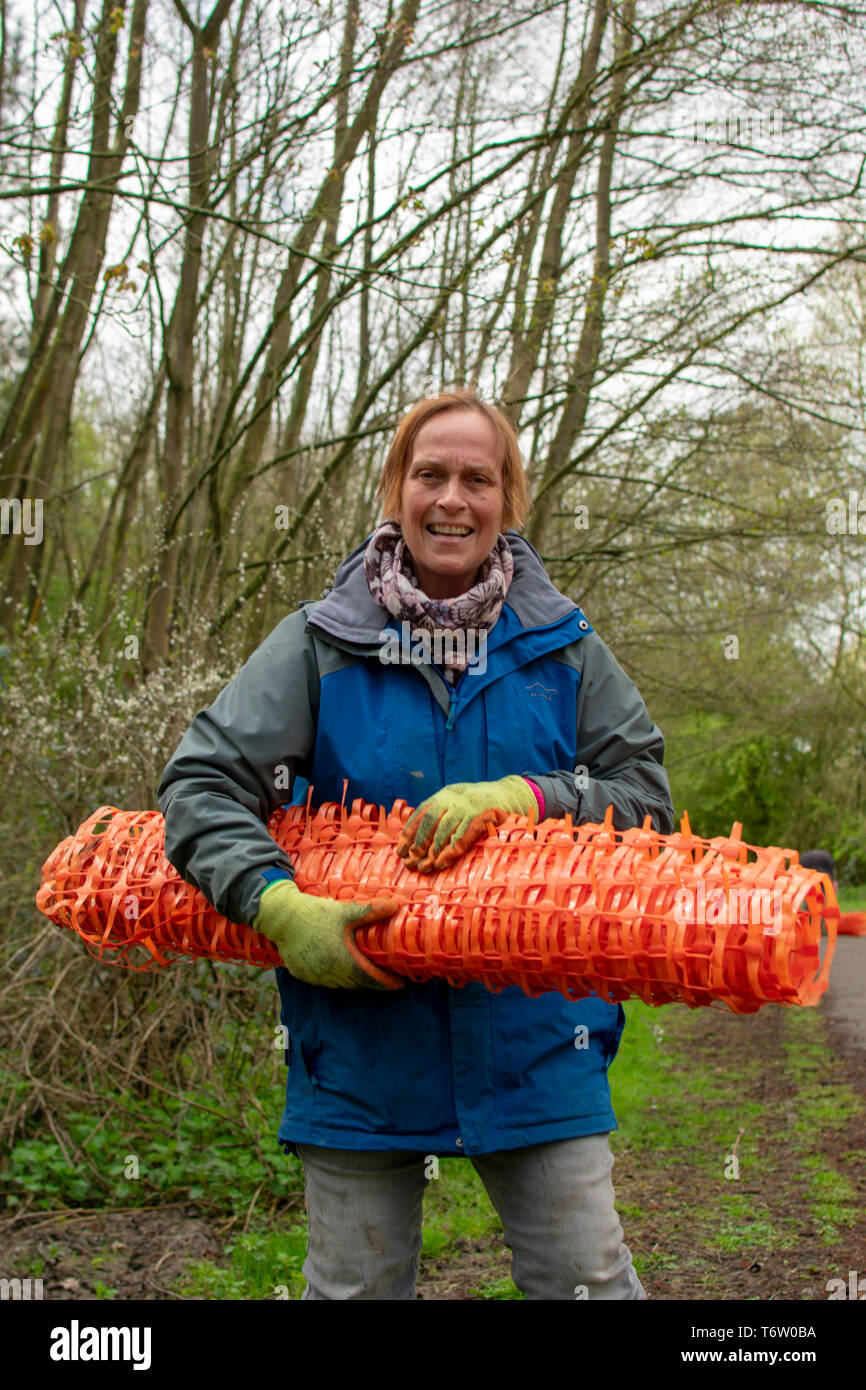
556	806
539	795
253	887
276	872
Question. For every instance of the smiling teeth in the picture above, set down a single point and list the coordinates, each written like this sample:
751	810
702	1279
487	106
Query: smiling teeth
451	530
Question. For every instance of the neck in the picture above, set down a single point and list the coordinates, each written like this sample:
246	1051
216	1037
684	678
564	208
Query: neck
446	585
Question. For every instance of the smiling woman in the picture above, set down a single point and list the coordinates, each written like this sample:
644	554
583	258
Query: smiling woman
452	500
382	1072
426	436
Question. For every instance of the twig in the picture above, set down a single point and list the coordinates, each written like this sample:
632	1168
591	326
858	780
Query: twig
169	1293
252	1204
85	1213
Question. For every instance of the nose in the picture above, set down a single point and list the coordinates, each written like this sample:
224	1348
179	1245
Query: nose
452	493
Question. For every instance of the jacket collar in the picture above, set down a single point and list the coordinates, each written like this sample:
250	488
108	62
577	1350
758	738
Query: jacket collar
349	612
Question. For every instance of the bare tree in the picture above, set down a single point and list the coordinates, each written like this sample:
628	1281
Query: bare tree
371	199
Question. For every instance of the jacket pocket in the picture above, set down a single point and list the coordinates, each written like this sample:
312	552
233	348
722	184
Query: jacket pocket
309	1055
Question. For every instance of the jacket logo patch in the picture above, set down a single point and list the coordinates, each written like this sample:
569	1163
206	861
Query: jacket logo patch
544	692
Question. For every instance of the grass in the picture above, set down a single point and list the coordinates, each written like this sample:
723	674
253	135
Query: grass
823	1105
456	1207
821	1102
497	1289
263	1264
667	1104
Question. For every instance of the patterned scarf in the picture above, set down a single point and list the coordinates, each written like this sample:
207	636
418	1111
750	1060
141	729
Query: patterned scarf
392	581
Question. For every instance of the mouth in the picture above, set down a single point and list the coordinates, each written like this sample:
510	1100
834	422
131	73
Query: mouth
446	531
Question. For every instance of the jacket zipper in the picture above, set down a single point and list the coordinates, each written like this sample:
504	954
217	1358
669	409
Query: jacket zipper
452	695
452	711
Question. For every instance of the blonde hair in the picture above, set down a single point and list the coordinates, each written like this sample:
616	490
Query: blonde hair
514	484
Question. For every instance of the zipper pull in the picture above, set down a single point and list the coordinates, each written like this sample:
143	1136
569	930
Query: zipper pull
452	712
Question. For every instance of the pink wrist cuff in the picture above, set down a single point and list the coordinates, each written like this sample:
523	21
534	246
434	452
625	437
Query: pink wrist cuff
539	796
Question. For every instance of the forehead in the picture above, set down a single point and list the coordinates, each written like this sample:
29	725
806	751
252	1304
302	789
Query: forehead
458	435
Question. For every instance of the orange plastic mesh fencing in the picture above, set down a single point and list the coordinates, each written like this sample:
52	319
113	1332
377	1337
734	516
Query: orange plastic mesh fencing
550	906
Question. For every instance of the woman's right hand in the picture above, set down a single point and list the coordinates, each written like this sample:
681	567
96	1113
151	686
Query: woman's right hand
314	936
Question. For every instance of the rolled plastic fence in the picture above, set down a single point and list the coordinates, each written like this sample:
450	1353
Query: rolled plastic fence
552	906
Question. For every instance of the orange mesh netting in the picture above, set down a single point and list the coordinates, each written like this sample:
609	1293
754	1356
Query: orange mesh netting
582	910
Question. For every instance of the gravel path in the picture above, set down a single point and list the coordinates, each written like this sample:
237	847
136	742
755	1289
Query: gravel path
845	1000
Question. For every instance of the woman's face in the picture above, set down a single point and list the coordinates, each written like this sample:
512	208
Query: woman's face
454	479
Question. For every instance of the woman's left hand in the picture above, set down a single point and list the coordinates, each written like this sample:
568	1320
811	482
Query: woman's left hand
447	823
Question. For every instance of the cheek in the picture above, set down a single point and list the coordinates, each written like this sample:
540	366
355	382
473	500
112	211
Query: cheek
493	514
408	508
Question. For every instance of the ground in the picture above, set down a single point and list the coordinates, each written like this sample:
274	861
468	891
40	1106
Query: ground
739	1174
781	1242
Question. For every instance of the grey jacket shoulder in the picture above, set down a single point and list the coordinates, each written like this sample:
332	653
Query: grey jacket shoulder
235	765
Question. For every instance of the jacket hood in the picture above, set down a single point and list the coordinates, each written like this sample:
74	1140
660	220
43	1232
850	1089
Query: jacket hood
348	611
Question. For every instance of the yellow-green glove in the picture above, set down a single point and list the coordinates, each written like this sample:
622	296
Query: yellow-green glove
314	936
447	823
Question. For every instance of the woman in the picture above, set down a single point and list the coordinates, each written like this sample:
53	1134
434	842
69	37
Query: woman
534	715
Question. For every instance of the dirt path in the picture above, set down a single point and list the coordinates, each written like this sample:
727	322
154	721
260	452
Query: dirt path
137	1254
797	1216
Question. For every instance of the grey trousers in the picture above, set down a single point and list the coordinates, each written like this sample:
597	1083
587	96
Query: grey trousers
555	1202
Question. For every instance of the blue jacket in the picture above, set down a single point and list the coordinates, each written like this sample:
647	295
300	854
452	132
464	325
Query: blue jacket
429	1067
